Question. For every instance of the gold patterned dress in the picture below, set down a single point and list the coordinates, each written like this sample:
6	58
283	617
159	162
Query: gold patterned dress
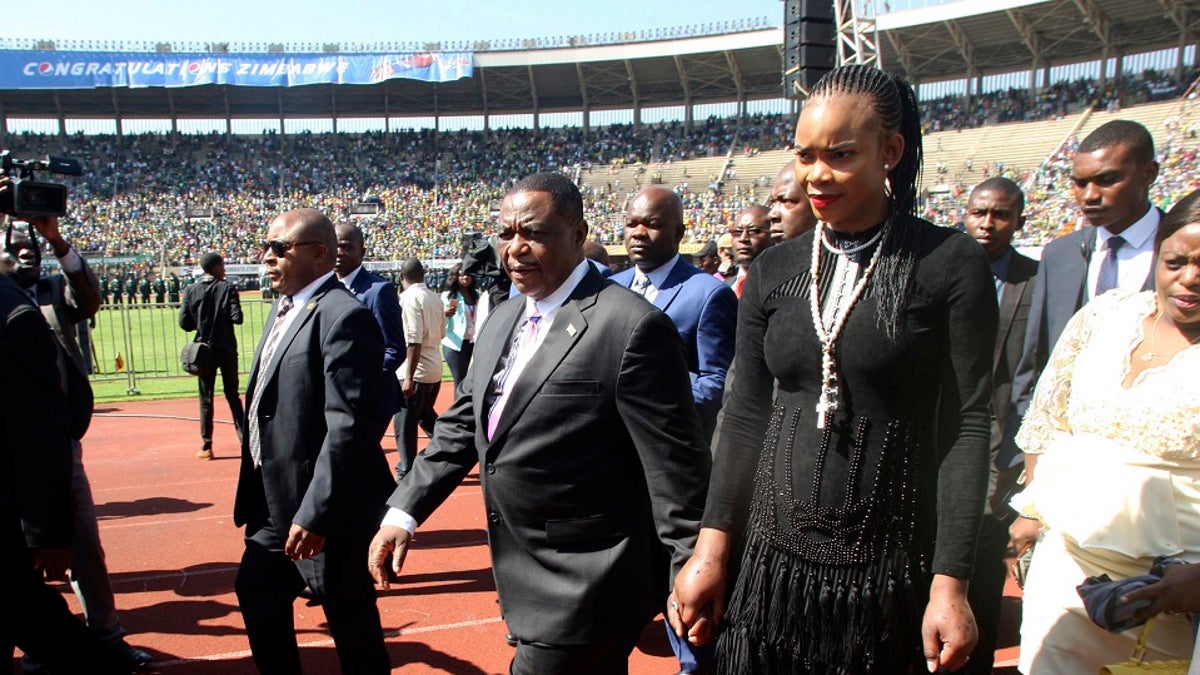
1117	483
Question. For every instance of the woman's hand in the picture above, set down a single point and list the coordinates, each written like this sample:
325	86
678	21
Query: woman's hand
696	606
1023	533
948	632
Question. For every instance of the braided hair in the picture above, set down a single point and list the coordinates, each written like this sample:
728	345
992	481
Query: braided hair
895	105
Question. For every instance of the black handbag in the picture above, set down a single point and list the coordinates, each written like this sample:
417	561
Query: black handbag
196	358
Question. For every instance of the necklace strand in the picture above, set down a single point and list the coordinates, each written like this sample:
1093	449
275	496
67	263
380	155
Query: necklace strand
1153	353
828	400
853	248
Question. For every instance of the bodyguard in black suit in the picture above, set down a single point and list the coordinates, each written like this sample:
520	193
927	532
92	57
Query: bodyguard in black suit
995	212
578	408
379	295
212	308
37	507
313	477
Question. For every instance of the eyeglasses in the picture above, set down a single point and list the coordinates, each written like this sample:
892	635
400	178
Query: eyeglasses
280	247
747	232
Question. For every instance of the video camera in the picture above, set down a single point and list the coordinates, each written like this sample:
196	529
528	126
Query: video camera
27	197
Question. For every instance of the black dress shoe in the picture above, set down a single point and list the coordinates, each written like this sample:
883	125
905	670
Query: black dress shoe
510	639
130	656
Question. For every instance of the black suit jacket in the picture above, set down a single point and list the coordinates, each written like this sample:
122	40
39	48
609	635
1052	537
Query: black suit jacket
211	308
1010	341
595	475
322	467
379	295
36	506
1058	292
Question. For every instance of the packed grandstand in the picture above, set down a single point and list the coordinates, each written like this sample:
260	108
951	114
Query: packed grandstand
166	198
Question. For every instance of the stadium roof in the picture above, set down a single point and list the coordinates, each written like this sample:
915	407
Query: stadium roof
939	42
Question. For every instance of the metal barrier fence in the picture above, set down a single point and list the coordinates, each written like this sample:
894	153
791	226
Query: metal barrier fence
136	341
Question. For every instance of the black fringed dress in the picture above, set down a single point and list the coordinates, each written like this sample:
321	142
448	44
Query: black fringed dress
841	529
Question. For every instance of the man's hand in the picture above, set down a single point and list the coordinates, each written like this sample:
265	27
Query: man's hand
302	544
389	539
53	562
1178	592
948	632
408	387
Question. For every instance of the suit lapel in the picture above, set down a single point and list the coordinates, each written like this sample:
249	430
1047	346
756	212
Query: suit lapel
569	325
670	290
304	314
489	349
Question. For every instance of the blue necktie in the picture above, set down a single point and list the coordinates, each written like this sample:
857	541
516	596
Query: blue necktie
1107	279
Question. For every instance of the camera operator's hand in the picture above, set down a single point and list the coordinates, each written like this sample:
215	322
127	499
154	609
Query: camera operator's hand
47	226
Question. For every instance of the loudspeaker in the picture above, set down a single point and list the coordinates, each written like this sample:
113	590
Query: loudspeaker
809	44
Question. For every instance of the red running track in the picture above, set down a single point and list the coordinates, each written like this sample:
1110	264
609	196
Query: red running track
167	526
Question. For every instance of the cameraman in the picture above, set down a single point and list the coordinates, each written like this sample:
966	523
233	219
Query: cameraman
36	509
65	300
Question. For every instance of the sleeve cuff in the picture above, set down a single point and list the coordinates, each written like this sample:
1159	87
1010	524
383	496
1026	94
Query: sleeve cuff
397	518
71	262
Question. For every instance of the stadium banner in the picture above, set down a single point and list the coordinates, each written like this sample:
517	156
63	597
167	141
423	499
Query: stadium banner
28	69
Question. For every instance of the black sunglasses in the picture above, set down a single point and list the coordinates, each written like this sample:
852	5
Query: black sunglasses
280	247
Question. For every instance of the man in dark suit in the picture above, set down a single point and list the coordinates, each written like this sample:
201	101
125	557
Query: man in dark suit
995	212
212	308
578	408
703	309
379	295
313	476
66	299
37	507
1111	175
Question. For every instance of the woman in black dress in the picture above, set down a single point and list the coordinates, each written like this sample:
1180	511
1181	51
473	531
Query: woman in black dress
851	460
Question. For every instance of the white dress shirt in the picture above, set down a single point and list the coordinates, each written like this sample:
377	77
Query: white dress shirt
1134	259
657	276
548	307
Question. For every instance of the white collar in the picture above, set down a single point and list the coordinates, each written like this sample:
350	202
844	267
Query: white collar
310	290
658	275
1136	235
548	306
348	280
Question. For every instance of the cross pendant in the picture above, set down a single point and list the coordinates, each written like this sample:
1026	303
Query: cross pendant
827	404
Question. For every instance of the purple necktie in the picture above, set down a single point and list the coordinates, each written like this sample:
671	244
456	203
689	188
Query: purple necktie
523	340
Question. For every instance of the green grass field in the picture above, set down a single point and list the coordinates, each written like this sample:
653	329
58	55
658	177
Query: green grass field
148	340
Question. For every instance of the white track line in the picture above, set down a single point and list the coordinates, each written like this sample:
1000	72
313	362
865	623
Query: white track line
228	656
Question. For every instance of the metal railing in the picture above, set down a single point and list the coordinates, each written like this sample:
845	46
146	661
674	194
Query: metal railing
134	341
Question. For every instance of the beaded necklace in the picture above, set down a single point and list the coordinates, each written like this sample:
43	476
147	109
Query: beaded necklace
828	401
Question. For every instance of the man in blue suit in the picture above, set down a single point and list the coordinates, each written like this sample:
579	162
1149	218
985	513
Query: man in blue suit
379	295
703	310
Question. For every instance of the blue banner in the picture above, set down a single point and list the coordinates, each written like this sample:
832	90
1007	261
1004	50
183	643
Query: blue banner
21	69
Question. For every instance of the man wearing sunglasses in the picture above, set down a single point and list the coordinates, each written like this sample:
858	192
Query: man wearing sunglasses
313	475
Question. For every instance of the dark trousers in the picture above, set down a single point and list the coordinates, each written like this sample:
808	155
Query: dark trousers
609	657
458	360
268	583
39	621
227	363
986	592
417	411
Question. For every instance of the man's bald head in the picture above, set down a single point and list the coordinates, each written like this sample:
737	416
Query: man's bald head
653	227
789	212
308	247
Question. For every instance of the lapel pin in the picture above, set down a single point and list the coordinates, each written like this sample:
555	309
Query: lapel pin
311	304
571	330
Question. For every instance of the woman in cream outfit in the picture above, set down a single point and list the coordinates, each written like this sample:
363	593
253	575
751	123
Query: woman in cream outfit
1115	430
